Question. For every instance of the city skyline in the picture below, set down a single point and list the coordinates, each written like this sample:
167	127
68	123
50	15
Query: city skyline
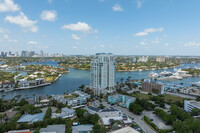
132	27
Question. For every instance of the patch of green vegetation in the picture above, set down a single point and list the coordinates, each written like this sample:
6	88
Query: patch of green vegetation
70	96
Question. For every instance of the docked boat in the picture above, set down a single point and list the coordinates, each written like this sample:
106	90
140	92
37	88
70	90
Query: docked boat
182	73
174	76
196	84
166	73
153	75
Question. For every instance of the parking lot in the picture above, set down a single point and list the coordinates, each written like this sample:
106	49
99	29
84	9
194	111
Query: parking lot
155	119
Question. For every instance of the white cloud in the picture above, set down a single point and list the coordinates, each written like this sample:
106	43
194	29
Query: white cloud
144	42
102	46
166	44
8	6
49	15
139	3
192	44
117	7
6	37
156	40
80	26
101	0
2	30
11	40
32	42
23	21
147	31
75	37
50	1
74	47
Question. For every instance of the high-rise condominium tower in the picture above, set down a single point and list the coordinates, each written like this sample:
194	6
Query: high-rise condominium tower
102	78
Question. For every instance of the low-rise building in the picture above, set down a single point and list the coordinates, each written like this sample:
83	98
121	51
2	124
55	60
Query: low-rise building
125	130
123	100
189	105
20	131
82	128
153	87
65	113
23	83
80	100
28	118
111	114
53	129
59	98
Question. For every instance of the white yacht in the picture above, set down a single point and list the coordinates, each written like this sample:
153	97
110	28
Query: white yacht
153	75
182	73
196	84
166	73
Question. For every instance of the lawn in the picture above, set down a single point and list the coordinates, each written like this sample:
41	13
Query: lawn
167	98
70	96
141	95
50	78
173	99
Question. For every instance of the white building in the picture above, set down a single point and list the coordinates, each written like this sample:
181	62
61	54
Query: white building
103	67
160	59
189	105
65	113
143	59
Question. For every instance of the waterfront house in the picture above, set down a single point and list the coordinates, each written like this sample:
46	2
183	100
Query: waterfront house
80	100
23	83
59	98
43	100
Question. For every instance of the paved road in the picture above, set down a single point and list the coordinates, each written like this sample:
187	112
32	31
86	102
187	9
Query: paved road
137	118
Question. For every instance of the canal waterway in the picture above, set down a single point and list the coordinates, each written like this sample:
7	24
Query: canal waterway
71	81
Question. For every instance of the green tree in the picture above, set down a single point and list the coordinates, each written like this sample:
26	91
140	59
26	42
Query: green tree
99	129
195	112
68	126
137	108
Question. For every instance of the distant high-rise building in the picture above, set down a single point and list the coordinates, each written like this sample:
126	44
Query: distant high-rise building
134	60
10	53
160	59
23	54
16	54
103	68
41	53
2	54
32	53
143	59
6	54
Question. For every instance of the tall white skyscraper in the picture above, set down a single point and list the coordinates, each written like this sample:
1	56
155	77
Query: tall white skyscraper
103	68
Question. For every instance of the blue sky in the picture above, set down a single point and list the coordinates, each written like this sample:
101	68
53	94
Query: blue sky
126	27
